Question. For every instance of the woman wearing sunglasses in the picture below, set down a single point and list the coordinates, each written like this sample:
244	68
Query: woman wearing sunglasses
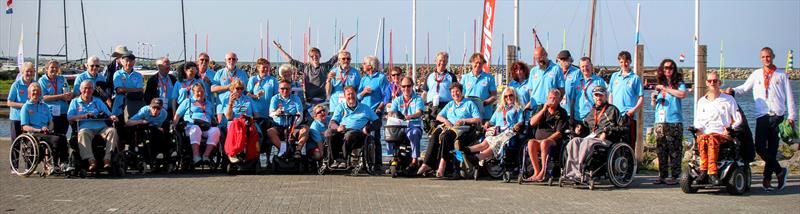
669	121
505	123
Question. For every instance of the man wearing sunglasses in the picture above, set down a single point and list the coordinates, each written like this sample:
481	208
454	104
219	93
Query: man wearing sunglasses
340	77
151	118
314	71
224	77
282	104
409	106
715	112
92	74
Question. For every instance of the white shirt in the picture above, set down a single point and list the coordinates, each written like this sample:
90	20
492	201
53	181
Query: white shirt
713	116
780	94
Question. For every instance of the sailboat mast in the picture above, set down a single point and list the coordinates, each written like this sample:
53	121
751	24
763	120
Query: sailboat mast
591	27
66	49
85	43
183	21
38	31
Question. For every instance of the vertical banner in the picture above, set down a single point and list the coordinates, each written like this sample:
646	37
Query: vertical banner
486	39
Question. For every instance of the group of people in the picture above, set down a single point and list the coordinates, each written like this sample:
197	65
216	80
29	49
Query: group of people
333	102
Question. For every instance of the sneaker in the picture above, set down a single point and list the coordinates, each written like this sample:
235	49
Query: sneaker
335	164
766	185
714	179
701	178
343	165
297	154
196	160
159	156
782	177
174	154
234	159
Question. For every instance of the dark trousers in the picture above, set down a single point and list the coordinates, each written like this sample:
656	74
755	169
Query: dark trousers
58	144
375	132
767	143
264	124
440	145
60	124
159	142
634	132
342	144
16	129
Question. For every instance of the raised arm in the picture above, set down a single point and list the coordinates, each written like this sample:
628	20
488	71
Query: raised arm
285	55
347	42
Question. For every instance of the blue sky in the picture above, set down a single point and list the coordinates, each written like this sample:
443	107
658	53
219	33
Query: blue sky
667	27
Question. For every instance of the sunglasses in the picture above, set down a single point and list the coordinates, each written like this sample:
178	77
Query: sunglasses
285	88
405	86
239	88
668	68
394	75
348	59
202	60
508	96
712	81
94	66
320	112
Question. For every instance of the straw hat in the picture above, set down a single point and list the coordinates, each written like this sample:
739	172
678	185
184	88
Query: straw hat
121	50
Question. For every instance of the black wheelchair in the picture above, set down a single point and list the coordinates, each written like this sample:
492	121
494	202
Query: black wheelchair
555	162
401	147
151	150
118	163
288	163
615	161
183	150
359	159
734	172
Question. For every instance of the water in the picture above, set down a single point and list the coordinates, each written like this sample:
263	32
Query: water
744	100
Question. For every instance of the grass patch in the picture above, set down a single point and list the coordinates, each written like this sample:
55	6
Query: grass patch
5	85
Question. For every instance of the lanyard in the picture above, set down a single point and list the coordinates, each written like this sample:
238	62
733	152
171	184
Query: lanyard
54	84
230	76
586	87
187	84
439	80
768	72
664	95
343	77
505	110
597	117
395	90
202	106
164	84
406	105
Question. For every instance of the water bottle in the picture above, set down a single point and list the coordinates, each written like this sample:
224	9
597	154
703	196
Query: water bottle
263	159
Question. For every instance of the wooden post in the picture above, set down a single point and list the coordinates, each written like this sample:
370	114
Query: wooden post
511	57
639	69
700	83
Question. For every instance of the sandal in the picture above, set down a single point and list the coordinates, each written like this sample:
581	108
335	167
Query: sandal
659	181
671	181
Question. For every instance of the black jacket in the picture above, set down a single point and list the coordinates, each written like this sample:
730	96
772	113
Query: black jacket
151	88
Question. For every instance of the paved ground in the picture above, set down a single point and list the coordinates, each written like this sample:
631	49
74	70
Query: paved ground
218	193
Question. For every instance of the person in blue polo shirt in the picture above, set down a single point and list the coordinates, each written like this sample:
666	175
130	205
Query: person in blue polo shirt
261	88
223	78
456	118
669	120
340	77
625	92
583	90
186	78
93	74
125	82
318	129
56	94
18	95
282	104
479	86
238	104
90	114
37	119
502	129
410	107
437	85
371	92
198	113
519	81
151	118
571	76
348	126
545	76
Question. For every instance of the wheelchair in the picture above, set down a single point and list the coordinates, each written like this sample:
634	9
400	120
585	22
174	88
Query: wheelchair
141	155
245	165
401	147
466	165
615	161
359	159
27	152
118	163
287	163
183	150
429	122
555	161
734	172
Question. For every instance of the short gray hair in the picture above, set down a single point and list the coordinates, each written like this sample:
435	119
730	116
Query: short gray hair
373	61
92	59
443	54
286	67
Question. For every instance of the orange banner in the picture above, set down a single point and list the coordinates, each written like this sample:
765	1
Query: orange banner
486	39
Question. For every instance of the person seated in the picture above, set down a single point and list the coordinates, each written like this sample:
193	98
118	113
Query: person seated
602	117
151	118
549	122
283	104
198	113
455	117
714	113
239	105
318	129
37	119
348	126
409	107
506	122
90	114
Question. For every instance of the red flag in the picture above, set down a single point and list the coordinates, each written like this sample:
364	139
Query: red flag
486	39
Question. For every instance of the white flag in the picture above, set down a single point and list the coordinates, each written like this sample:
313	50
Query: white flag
20	56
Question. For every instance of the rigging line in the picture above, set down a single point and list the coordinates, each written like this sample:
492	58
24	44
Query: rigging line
575	14
585	38
613	29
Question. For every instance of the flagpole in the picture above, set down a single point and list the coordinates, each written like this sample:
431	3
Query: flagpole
183	21
414	40
8	41
66	49
38	30
85	43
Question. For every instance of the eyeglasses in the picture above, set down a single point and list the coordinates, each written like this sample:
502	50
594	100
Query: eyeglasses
394	75
285	88
508	96
94	66
320	112
669	67
348	59
239	88
202	60
712	81
405	86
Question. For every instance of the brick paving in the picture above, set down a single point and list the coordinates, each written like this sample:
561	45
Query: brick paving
221	193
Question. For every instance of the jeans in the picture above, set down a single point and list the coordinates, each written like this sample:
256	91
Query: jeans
767	143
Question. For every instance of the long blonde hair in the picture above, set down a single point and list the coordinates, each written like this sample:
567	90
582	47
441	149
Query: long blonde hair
501	106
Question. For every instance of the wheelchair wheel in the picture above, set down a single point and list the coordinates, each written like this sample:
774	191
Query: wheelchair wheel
621	165
686	181
393	170
368	155
506	176
737	182
48	164
494	169
24	155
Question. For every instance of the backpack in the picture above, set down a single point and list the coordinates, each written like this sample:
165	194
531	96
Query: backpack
241	133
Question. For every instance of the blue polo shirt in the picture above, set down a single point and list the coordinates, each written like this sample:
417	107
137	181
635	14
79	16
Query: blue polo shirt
267	84
464	110
625	90
17	93
224	78
124	79
316	129
36	115
191	109
165	87
55	87
377	82
78	107
439	85
355	118
401	106
507	119
339	81
154	121
86	76
583	93
523	91
242	106
668	107
391	91
573	77
183	90
209	73
290	105
479	86
542	80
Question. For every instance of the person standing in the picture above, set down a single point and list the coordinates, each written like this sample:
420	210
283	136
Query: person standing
161	86
571	75
314	72
56	94
222	79
584	101
340	77
18	96
669	120
479	86
774	102
625	92
544	77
